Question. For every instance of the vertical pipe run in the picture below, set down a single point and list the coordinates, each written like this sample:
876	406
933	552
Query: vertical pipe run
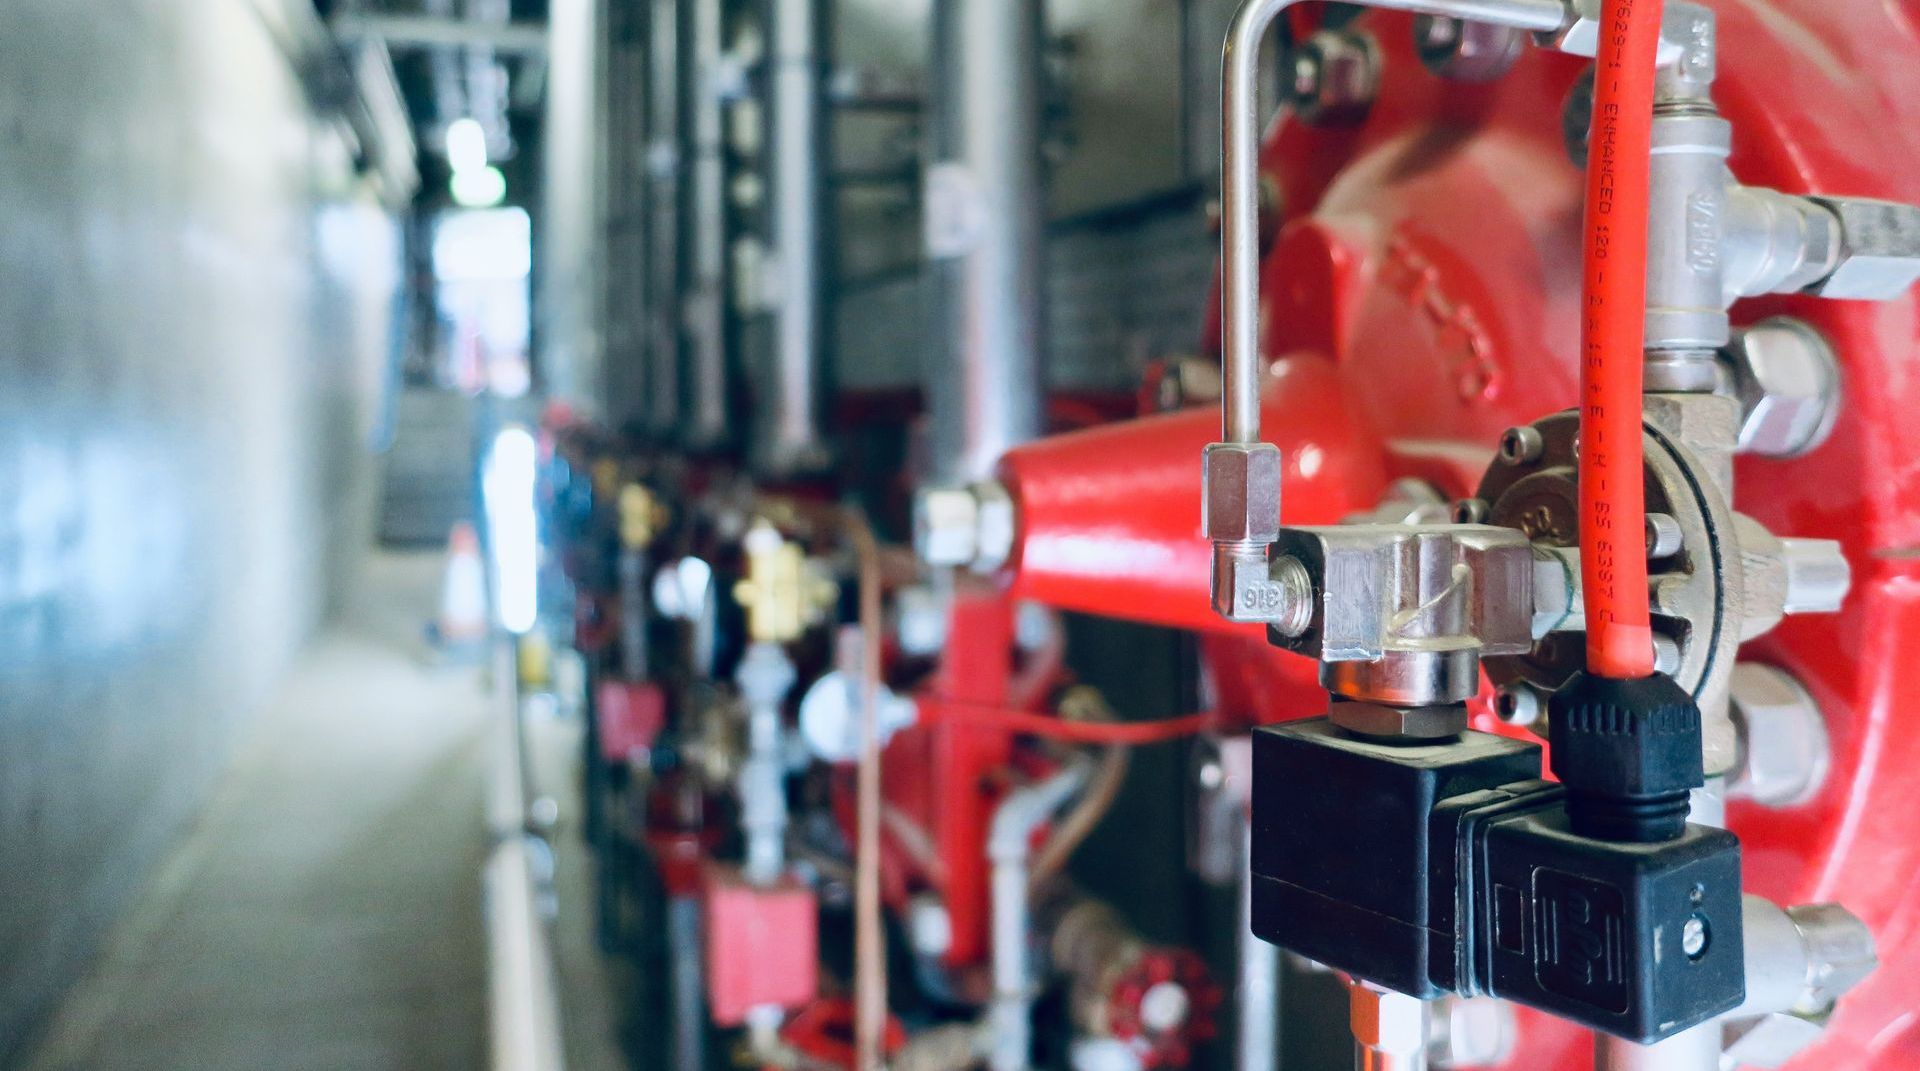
1258	992
792	443
664	139
869	947
689	987
765	676
706	425
986	212
1009	842
567	306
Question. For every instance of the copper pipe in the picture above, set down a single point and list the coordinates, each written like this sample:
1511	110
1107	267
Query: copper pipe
869	940
1079	823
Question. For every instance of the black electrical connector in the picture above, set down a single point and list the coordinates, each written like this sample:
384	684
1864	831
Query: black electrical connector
1452	867
1628	752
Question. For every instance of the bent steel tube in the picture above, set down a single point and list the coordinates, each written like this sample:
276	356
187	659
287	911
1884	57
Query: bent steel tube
1240	180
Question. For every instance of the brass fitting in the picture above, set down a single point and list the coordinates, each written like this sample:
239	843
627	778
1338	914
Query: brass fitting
782	595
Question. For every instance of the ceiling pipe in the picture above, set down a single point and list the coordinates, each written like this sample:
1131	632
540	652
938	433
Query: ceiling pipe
665	136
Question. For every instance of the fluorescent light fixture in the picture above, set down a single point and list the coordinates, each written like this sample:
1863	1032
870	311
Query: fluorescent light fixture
513	528
466	145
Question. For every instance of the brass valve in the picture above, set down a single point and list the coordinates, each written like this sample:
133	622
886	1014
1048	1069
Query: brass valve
642	516
782	595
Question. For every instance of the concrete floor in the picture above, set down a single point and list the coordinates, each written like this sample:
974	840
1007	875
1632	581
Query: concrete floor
325	912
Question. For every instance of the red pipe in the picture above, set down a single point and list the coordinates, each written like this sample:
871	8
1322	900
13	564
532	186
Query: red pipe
1613	511
1110	517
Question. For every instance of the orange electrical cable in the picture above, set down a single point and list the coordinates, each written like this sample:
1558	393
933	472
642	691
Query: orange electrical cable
1613	510
1077	732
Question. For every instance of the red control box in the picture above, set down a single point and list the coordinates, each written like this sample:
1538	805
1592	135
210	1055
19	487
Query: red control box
762	945
630	716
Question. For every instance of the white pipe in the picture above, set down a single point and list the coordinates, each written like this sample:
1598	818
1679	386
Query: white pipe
523	1001
764	677
1010	1017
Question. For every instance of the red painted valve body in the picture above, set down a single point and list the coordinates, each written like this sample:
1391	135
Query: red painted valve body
1421	298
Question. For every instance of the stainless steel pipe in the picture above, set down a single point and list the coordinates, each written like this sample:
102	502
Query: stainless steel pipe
791	441
664	152
706	424
985	206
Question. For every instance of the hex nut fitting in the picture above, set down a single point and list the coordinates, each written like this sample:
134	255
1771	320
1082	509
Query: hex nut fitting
946	524
1879	249
1386	1021
1460	50
996	526
1381	721
972	527
1787	379
1333	77
1472	1032
1785	752
1241	495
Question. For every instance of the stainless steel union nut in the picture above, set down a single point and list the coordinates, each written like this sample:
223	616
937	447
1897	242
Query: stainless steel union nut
946	526
1786	751
1241	502
1879	249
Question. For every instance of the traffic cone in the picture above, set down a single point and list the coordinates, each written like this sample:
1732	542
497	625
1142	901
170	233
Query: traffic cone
463	592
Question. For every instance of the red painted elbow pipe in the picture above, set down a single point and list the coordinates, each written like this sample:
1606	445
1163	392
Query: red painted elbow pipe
1110	517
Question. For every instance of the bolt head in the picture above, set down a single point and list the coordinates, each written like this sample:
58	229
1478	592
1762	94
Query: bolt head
1518	703
1463	51
1788	382
1335	76
1786	750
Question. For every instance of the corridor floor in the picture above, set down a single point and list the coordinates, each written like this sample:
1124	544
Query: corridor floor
325	912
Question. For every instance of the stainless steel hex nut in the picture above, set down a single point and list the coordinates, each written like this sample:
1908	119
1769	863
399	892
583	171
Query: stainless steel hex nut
1788	381
1579	35
1241	499
995	528
1387	1021
1785	752
1333	77
1400	723
946	526
1879	249
1471	1032
1463	51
